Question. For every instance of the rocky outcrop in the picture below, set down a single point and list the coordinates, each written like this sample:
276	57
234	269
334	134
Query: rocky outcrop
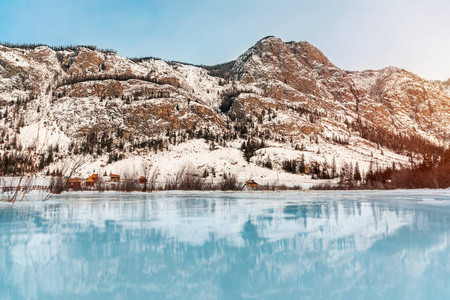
390	98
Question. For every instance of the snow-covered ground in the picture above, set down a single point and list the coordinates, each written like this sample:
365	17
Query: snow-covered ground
230	160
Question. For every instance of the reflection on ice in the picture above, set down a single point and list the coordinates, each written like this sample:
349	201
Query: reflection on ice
227	246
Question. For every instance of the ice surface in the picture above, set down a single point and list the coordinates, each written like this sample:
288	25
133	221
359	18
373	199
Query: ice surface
228	245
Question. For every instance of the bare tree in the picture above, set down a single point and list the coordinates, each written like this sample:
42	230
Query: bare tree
15	189
59	184
147	172
230	183
186	178
100	185
128	183
152	179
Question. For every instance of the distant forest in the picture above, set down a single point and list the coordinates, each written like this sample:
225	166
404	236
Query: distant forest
428	174
56	48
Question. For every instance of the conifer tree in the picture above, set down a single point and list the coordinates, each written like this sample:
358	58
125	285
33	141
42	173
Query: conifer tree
333	168
357	173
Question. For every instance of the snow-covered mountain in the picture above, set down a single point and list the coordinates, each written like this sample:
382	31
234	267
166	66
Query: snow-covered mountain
288	99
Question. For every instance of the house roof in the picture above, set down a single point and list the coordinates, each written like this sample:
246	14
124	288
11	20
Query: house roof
73	180
114	175
90	179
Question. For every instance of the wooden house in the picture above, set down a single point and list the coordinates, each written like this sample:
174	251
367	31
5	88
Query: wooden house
74	183
142	180
115	178
94	177
90	182
307	169
251	184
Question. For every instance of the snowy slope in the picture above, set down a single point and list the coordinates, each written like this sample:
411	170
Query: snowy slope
122	115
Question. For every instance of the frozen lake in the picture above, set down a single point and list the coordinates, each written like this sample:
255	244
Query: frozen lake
181	245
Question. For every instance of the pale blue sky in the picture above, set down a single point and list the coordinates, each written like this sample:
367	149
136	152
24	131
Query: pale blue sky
354	34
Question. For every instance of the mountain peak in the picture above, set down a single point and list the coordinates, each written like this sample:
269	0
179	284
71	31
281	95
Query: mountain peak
269	38
272	58
303	48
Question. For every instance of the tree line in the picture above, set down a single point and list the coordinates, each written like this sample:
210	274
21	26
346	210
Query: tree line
399	143
427	174
77	78
32	46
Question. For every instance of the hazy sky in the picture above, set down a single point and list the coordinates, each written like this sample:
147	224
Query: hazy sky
353	34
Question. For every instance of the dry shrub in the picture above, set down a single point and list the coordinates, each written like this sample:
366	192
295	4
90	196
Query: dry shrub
186	178
127	183
434	178
100	185
230	183
58	184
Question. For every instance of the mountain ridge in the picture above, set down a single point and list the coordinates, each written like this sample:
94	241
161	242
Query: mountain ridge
287	94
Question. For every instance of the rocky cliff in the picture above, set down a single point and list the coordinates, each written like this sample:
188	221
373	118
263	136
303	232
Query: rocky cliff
286	97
